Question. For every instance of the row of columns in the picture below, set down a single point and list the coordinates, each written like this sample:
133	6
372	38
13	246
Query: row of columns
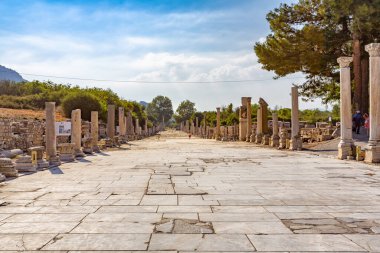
346	144
261	135
125	124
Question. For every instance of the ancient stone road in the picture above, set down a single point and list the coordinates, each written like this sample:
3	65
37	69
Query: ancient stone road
176	194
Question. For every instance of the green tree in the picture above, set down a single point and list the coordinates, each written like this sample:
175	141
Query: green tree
83	101
160	108
310	35
185	111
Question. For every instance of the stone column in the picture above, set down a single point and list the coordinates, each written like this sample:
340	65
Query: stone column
275	137
146	127
121	122
51	138
217	134
346	143
111	121
372	154
243	119
196	125
95	130
205	125
249	119
259	129
137	127
187	126
295	142
76	132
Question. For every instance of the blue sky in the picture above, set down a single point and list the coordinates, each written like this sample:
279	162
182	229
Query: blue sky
199	40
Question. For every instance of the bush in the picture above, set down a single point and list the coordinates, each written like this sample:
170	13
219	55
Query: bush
84	101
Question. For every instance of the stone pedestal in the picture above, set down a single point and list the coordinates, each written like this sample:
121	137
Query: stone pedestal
41	162
95	131
284	139
66	152
265	139
24	164
51	138
87	145
7	168
76	132
346	143
372	153
295	141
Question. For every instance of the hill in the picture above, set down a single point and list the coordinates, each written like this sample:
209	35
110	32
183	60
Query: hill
10	75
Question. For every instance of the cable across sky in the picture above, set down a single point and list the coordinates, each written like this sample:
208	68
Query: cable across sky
158	82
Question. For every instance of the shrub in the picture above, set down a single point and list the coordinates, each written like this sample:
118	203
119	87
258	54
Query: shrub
84	101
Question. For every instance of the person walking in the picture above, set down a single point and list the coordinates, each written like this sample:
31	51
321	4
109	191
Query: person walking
366	123
358	121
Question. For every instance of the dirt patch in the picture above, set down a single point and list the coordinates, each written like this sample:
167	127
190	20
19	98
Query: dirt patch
333	226
183	226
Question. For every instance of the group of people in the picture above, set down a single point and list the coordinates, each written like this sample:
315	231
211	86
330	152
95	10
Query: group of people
359	120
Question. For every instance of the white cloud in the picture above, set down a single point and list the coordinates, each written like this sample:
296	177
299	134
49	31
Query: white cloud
139	45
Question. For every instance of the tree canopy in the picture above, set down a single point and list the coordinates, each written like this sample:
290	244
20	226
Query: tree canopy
310	35
159	109
185	111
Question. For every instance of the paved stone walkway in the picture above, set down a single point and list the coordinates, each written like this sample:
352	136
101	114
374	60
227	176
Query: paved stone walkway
176	194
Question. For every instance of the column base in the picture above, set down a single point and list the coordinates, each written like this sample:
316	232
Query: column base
265	140
79	153
54	161
345	150
282	143
252	138
295	143
372	154
67	157
274	141
259	138
96	149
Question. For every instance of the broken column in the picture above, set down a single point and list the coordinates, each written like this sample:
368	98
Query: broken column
346	143
295	141
111	121
7	168
51	138
275	139
243	119
372	153
76	132
249	119
24	164
95	130
217	132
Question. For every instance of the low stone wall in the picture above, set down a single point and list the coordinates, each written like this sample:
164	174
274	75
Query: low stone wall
22	134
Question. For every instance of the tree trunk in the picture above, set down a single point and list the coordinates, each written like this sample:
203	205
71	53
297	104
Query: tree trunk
357	72
365	85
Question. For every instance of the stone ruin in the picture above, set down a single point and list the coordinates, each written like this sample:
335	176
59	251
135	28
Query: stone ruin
45	149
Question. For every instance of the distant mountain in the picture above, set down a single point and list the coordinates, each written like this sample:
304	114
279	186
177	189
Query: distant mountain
143	103
10	75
